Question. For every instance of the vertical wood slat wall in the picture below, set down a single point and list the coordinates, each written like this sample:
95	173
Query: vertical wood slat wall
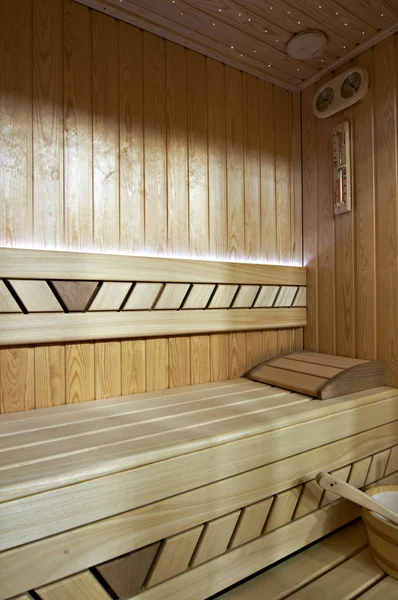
353	258
114	140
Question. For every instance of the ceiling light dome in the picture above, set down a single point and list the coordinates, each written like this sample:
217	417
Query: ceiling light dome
307	44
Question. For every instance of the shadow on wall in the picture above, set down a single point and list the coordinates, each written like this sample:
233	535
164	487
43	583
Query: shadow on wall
114	140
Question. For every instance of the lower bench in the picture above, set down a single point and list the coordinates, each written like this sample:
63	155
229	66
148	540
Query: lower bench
180	493
339	567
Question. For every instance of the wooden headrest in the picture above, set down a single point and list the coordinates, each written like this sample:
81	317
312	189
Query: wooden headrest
320	375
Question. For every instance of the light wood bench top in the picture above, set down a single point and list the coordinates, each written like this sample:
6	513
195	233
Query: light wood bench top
339	567
54	447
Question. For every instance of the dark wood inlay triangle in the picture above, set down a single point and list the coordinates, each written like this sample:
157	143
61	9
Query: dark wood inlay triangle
75	295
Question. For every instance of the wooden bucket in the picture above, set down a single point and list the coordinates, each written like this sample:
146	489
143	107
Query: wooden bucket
382	534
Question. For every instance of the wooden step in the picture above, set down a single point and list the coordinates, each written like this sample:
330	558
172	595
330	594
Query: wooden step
339	567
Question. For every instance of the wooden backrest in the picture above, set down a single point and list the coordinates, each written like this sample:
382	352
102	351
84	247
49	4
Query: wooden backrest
48	296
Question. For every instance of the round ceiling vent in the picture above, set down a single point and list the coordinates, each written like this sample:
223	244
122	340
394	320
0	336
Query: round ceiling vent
306	44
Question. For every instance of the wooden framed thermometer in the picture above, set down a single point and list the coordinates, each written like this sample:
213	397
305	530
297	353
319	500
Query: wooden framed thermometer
342	180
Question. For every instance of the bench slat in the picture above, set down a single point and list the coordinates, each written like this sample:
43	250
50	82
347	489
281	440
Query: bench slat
370	411
387	589
297	571
344	582
170	423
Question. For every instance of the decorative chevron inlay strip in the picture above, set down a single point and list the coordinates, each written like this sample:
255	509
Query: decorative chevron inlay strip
38	295
52	297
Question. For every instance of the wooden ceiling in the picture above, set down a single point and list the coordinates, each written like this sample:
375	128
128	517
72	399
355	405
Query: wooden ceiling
252	34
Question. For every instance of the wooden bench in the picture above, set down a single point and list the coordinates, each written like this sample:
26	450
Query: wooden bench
339	567
179	493
173	494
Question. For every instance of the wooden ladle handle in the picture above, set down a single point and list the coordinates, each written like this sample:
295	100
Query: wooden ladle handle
345	490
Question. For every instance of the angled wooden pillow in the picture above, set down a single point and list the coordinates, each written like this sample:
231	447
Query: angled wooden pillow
320	375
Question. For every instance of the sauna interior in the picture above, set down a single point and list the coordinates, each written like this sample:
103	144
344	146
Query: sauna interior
198	297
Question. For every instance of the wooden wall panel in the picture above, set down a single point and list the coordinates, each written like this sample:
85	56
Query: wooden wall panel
267	173
79	372
120	141
385	73
133	366
131	141
177	150
17	379
105	74
197	155
49	375
282	103
216	127
352	258
47	50
154	57
78	131
252	167
235	168
16	204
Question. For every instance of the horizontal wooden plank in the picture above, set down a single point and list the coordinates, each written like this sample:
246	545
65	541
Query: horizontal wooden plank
48	264
136	423
339	362
304	367
300	569
110	459
123	491
387	589
346	581
307	384
102	409
106	460
68	327
35	563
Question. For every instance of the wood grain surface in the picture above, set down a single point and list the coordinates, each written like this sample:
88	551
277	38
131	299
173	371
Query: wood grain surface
352	270
92	543
75	295
165	162
315	377
254	40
